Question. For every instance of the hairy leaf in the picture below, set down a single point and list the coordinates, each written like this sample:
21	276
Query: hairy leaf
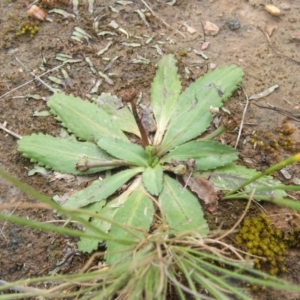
87	244
165	91
192	115
153	179
101	189
86	120
181	208
137	211
120	114
61	154
229	177
131	153
207	154
105	214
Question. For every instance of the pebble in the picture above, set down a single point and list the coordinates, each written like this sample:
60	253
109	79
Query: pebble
205	45
286	174
211	28
234	24
212	66
273	10
295	36
296	180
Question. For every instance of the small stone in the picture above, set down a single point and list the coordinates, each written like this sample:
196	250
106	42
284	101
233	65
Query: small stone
286	174
211	28
205	45
188	28
296	180
295	36
212	66
234	24
273	10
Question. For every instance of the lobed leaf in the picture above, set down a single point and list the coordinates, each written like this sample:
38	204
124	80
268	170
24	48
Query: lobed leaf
192	115
165	91
61	154
229	177
120	115
207	154
131	153
153	179
101	189
86	120
181	208
136	211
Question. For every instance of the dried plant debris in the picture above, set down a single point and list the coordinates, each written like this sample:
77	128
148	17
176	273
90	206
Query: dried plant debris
80	35
62	12
103	50
264	93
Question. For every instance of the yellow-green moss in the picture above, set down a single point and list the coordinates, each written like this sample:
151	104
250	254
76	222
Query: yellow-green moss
28	28
259	237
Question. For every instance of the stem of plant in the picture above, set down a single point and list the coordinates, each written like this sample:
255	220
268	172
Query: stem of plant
214	134
84	165
280	165
145	141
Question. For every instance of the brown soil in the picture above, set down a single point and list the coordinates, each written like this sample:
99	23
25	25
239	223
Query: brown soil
26	252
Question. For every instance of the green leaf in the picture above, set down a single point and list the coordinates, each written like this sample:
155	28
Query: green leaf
108	211
120	114
137	211
192	115
131	153
61	154
181	208
208	154
229	177
101	189
165	91
152	179
86	120
87	244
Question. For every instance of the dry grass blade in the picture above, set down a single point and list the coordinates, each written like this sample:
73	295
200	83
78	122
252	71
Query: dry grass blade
243	119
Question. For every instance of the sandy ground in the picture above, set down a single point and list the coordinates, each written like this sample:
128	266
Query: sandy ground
265	46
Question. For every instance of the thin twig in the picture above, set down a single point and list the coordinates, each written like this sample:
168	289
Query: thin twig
295	117
164	22
243	119
20	86
11	132
1	230
240	218
24	289
276	51
183	287
26	206
204	38
36	77
81	271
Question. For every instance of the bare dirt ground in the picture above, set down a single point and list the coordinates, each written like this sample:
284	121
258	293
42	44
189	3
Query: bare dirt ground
25	252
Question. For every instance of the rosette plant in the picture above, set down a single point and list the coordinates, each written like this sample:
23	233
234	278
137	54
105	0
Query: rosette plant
151	167
146	208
